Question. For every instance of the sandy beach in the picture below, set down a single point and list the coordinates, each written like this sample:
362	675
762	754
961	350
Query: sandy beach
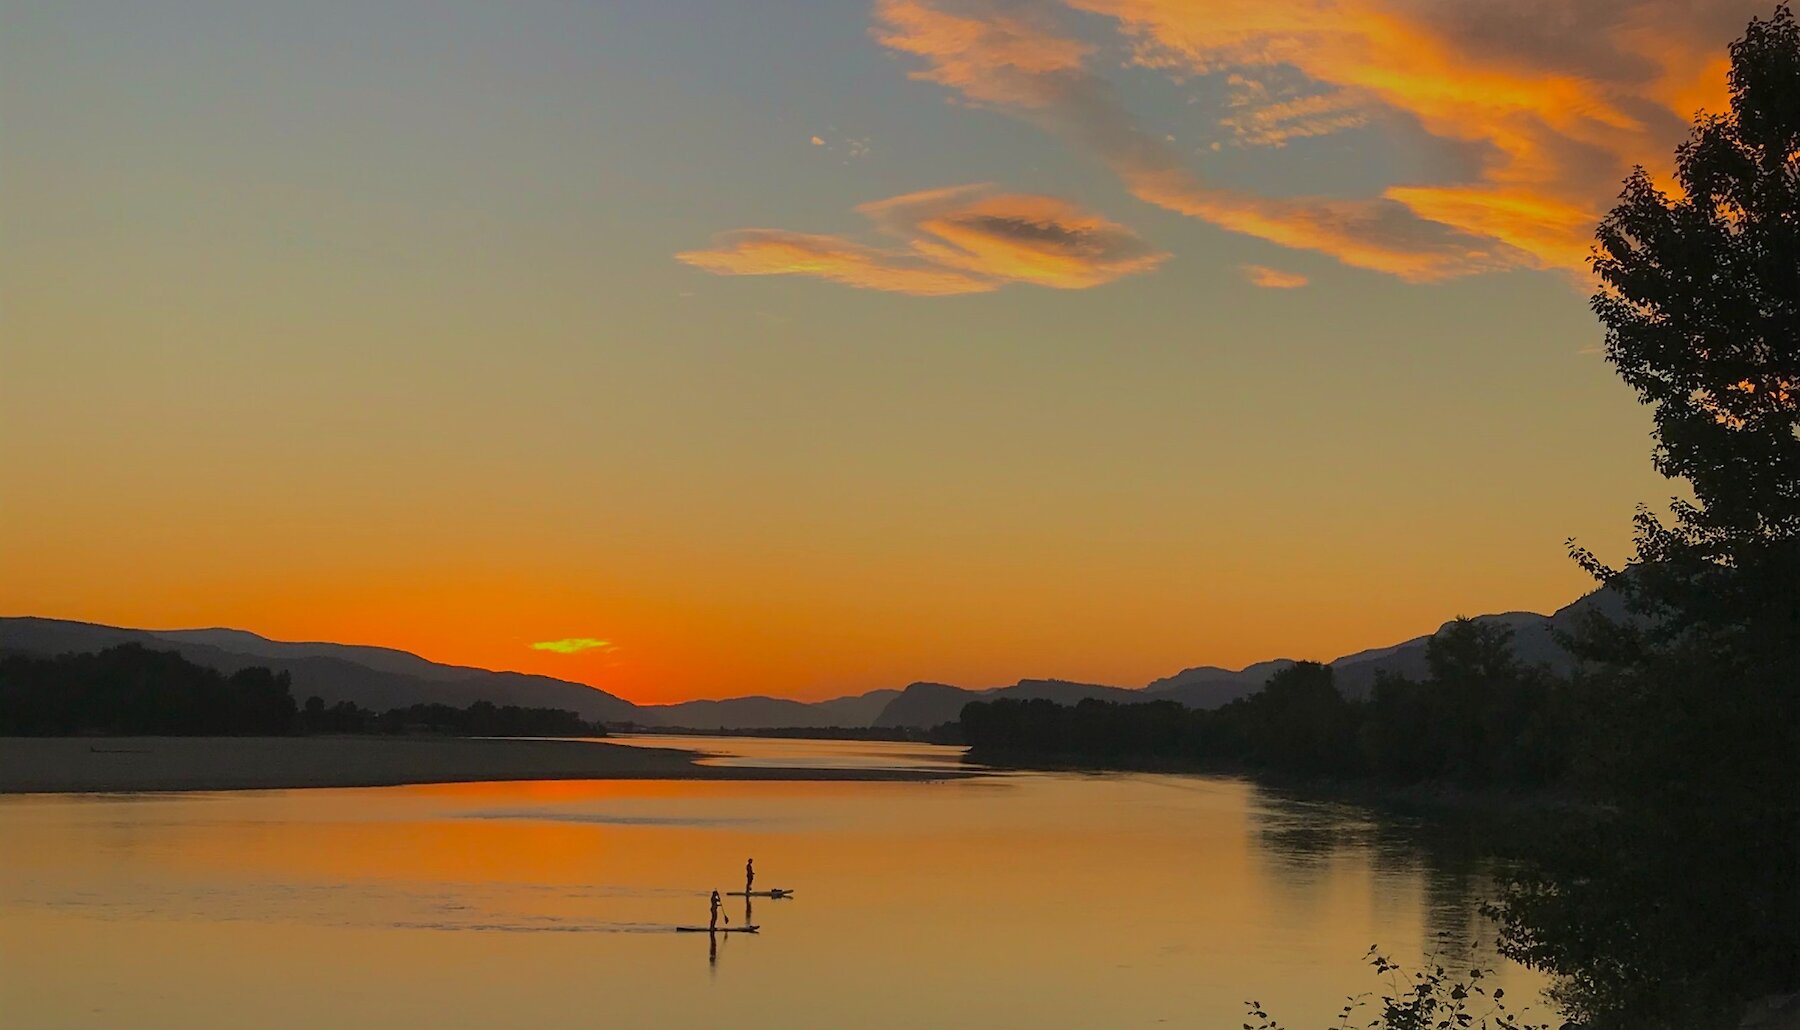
41	765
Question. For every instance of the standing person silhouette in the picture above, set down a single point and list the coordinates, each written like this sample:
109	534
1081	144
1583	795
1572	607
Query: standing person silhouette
749	875
713	925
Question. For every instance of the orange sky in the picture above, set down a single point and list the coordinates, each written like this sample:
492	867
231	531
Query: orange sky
822	351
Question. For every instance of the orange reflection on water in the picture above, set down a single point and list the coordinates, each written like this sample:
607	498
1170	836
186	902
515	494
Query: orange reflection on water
1047	901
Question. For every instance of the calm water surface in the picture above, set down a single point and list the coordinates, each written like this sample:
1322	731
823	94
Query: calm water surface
1022	900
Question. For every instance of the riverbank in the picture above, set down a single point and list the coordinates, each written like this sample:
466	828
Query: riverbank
55	765
1425	798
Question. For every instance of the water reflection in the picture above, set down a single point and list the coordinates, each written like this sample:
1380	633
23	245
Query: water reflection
1307	843
782	753
1040	900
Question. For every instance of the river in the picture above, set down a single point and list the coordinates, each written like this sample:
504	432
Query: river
1043	900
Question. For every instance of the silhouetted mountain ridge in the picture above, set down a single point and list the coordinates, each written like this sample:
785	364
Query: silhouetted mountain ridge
382	659
381	678
750	712
331	676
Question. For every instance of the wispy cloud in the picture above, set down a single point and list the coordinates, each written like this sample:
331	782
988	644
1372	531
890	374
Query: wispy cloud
1001	58
779	252
573	645
961	239
1262	115
1555	102
1273	278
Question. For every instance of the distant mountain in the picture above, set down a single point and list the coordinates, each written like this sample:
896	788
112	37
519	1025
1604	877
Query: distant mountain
1208	686
1533	641
861	710
931	704
924	704
753	712
382	659
318	670
381	678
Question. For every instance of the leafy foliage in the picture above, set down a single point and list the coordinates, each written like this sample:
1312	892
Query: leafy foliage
1430	999
1700	298
1687	900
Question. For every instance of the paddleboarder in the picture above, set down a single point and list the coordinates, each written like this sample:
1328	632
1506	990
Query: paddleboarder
749	875
713	925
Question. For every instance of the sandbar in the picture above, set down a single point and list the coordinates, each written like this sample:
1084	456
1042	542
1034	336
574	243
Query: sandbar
39	765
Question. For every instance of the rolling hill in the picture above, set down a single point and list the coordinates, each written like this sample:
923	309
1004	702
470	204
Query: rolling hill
333	672
381	678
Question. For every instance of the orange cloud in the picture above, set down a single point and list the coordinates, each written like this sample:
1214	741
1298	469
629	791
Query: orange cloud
1273	278
777	252
1382	234
961	239
1261	116
990	56
1557	101
1026	68
1014	237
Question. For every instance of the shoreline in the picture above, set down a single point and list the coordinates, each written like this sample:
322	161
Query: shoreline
116	765
1424	798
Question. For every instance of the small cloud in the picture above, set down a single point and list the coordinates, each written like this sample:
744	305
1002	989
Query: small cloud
573	645
1273	278
778	252
961	239
851	148
1265	117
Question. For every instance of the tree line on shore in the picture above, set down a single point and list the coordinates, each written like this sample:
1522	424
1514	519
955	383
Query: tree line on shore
134	690
947	733
1480	718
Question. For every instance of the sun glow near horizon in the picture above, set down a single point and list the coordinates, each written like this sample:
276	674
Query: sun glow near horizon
826	349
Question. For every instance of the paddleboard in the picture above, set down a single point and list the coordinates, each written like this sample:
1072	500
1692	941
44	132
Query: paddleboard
722	929
778	893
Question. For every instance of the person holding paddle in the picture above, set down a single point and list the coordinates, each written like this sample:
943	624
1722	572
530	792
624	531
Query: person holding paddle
713	925
749	875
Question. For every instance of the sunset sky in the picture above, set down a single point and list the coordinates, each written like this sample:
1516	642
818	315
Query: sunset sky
698	349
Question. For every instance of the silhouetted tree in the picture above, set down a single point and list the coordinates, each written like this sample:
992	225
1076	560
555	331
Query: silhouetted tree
132	689
1479	718
1298	722
1691	896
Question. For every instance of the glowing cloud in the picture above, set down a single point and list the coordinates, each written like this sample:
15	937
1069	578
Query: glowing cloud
1552	102
573	645
961	239
1262	115
777	252
1002	60
1272	278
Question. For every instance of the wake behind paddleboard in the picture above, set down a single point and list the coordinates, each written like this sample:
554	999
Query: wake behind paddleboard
722	929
